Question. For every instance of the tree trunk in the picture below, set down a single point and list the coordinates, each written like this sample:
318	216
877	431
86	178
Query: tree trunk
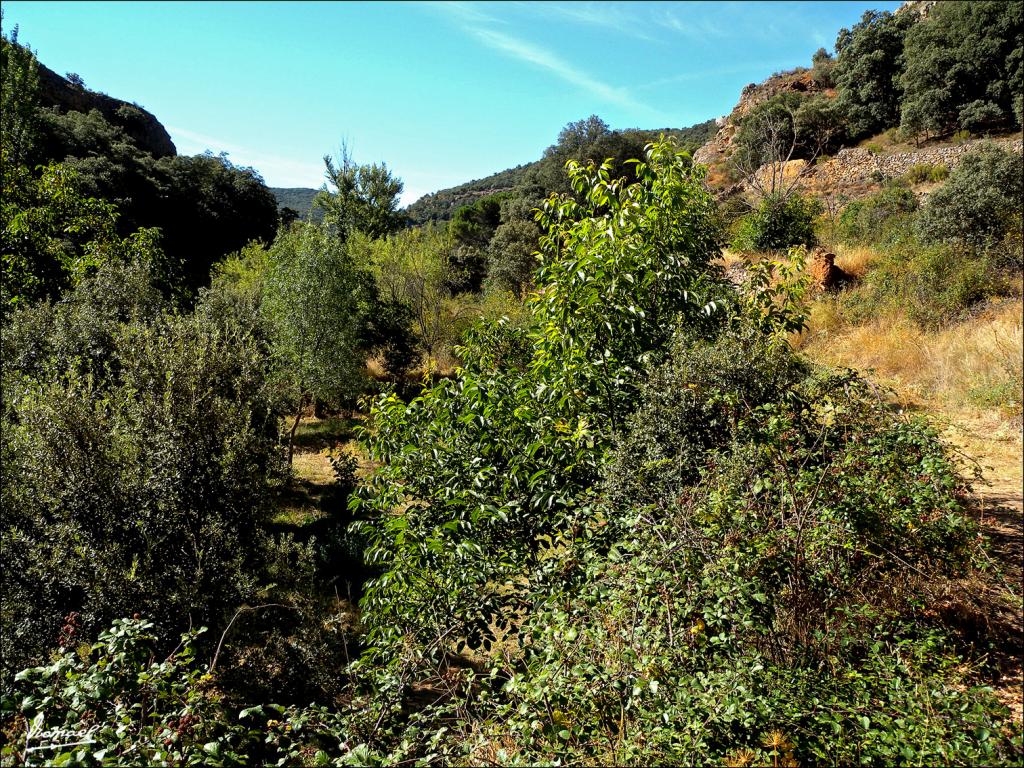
295	426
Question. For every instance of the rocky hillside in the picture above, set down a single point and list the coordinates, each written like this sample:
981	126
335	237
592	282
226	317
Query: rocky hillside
141	126
856	171
719	147
875	109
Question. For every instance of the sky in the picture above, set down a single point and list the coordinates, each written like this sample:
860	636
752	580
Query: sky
442	92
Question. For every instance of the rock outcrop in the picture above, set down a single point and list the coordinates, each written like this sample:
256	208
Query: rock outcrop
798	81
140	125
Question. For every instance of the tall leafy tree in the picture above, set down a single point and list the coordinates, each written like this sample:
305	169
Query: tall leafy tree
414	269
472	228
19	87
964	67
869	64
512	251
583	141
479	468
365	197
316	301
52	235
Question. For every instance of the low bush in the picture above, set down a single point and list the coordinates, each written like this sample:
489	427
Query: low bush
761	601
922	172
137	457
778	223
932	284
117	704
980	204
878	218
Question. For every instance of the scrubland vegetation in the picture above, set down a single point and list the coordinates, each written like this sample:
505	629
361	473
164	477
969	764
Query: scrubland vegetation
534	483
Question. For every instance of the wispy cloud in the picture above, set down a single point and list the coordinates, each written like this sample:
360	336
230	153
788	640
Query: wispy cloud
621	19
694	28
481	26
467	12
277	171
551	62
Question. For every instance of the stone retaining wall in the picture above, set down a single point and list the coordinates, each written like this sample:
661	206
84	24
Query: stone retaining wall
855	164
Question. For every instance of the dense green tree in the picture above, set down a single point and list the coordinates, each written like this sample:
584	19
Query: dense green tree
53	235
364	199
486	464
583	141
869	64
137	447
210	208
790	125
576	137
823	68
980	203
19	85
777	223
820	125
475	224
512	251
415	269
316	300
964	68
472	228
205	206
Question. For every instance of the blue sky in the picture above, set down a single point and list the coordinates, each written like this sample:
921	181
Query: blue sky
443	92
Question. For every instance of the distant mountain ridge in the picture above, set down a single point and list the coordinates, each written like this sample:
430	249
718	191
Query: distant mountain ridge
298	199
442	205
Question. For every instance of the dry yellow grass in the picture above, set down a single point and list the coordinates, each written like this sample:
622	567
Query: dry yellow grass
968	378
313	468
976	364
855	259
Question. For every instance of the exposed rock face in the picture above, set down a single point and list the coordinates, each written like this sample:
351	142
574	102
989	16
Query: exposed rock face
799	81
920	7
141	126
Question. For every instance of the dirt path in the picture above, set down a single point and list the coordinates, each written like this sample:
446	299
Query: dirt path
999	507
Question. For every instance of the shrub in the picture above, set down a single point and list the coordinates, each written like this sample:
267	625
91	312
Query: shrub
760	600
136	480
879	218
691	406
980	202
486	464
118	704
777	223
921	172
932	284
